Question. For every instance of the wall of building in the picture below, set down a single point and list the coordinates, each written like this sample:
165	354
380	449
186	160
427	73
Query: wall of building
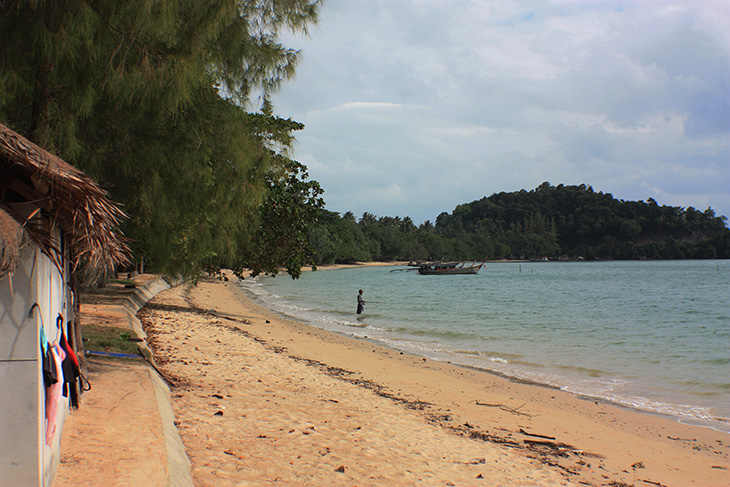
31	299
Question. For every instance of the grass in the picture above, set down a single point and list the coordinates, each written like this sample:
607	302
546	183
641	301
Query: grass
109	339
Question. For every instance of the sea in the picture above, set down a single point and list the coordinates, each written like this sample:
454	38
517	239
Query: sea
647	335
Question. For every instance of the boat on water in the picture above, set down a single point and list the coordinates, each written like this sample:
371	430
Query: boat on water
449	268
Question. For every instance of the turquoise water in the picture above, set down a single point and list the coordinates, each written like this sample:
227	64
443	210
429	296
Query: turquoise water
651	335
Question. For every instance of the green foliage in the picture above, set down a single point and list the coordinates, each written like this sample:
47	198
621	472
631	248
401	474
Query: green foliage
280	237
549	221
150	99
340	240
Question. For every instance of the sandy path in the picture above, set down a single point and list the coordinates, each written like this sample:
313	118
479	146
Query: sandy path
261	400
101	445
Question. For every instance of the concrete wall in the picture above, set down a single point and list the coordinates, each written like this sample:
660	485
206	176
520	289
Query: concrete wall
25	459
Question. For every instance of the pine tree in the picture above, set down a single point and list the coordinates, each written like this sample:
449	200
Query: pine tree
153	99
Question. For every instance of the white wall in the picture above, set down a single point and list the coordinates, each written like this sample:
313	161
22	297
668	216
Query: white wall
25	460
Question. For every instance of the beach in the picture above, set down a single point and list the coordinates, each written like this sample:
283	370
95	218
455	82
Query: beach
260	399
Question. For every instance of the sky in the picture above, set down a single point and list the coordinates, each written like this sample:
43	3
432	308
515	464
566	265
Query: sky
412	107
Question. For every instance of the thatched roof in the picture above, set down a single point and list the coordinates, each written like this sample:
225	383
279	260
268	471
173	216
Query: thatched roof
32	179
11	242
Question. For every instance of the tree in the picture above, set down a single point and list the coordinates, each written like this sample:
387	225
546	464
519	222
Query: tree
340	240
150	98
280	237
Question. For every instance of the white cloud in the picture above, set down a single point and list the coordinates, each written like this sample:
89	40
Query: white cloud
414	106
360	105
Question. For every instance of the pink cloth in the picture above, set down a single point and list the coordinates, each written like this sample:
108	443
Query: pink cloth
54	393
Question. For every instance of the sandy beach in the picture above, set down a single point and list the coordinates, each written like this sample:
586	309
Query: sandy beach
263	400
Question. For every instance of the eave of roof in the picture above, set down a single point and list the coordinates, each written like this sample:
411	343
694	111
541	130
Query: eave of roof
68	199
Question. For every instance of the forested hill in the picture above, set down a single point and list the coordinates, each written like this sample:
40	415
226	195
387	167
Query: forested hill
549	221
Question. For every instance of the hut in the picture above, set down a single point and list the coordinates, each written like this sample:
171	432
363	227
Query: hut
57	227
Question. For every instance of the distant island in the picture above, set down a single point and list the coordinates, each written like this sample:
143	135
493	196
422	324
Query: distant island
554	222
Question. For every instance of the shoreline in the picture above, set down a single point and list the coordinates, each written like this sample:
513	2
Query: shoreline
634	395
556	432
716	425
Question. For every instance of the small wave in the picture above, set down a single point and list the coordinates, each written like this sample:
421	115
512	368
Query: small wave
494	357
706	386
355	325
686	411
498	360
293	308
717	361
590	372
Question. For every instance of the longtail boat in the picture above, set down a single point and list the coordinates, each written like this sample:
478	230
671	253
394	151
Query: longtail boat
449	268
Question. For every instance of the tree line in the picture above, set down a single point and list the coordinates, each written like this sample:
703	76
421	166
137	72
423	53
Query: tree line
558	222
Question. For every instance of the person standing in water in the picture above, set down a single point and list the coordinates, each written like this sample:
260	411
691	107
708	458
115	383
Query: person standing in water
360	302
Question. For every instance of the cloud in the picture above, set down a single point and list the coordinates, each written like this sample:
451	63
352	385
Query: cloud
412	107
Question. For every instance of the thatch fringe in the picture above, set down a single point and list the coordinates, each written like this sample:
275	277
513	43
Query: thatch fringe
11	243
68	199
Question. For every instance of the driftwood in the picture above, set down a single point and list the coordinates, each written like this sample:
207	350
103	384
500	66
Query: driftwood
536	435
653	483
505	408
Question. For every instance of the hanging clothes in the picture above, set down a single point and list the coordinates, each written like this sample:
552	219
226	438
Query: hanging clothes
71	372
50	370
54	391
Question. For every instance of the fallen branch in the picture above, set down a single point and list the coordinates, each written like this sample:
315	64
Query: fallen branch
505	408
536	435
222	316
